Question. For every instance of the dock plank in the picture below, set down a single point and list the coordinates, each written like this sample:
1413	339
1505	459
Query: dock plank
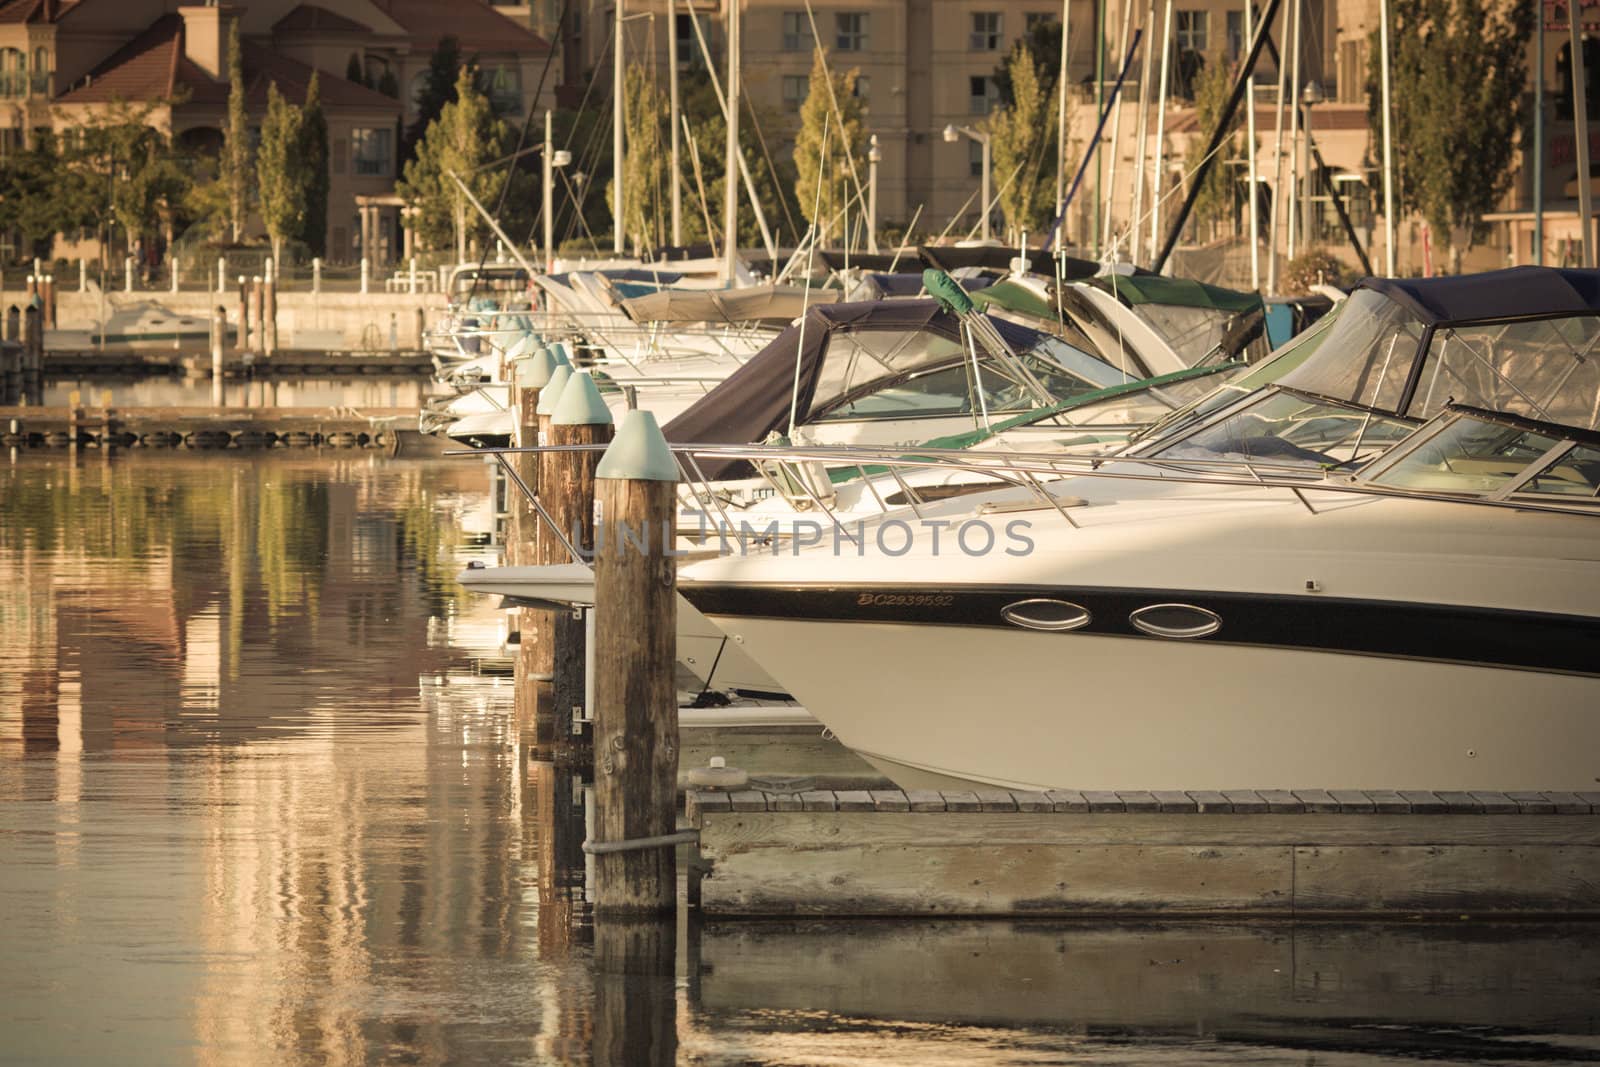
785	802
1569	803
1138	800
819	800
1067	800
889	800
1282	800
1209	801
996	800
1352	801
1027	801
1388	802
1317	801
853	799
962	801
1532	803
1496	803
1103	800
925	800
748	800
1591	798
1175	800
1246	801
704	801
1424	802
1460	802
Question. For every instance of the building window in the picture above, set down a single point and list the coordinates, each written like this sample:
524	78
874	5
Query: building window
850	31
796	32
983	95
974	159
985	36
795	89
372	152
1034	19
688	44
1236	40
1192	31
503	86
862	89
13	72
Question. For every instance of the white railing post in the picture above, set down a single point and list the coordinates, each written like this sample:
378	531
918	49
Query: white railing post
413	275
177	267
127	274
222	274
316	275
83	275
366	274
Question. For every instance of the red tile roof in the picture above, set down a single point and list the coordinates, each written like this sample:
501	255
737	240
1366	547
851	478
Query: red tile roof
34	10
309	18
476	26
152	67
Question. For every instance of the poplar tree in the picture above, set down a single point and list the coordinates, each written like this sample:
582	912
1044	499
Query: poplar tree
236	169
1212	86
281	172
1458	84
1019	135
461	141
826	161
644	168
314	153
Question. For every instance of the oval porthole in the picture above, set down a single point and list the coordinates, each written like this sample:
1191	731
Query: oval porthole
1176	620
1045	614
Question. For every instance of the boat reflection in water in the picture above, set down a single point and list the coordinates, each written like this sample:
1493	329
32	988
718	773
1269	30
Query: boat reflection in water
263	799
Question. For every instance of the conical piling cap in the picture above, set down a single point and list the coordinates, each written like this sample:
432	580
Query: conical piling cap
519	347
535	370
559	350
552	390
638	452
581	404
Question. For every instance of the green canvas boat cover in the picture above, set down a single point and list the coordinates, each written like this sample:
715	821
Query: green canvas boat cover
1180	292
1014	296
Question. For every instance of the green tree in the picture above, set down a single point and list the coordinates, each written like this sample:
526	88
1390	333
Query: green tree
282	175
1043	45
122	171
353	72
236	168
1214	204
1458	83
833	162
647	210
314	151
1021	135
438	89
461	142
34	199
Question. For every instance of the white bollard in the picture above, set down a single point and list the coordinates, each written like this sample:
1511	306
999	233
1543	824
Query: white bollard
267	273
413	275
316	275
177	267
366	274
222	274
83	275
127	274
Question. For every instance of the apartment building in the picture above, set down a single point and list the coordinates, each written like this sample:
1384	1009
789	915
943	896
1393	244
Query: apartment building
64	60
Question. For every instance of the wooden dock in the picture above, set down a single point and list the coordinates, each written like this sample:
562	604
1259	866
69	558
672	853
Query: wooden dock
146	362
1267	853
208	427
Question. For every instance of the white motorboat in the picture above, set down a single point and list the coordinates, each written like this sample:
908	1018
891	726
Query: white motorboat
1381	572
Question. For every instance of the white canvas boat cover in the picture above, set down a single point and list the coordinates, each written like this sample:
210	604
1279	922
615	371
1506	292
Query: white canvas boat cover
770	304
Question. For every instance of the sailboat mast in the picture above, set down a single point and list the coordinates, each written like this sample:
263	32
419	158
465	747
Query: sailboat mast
1250	156
730	211
1157	178
617	182
1388	144
1116	132
1062	84
676	109
1275	225
1580	123
1140	130
1293	187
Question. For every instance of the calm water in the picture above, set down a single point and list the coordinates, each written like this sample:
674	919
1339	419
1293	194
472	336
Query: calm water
262	800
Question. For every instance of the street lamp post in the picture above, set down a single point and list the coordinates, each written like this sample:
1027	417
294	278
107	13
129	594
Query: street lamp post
1310	97
952	134
873	158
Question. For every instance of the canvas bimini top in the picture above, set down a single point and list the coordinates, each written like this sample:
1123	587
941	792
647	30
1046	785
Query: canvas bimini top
767	304
888	341
1515	292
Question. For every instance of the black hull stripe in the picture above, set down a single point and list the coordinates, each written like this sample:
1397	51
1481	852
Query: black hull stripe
1490	637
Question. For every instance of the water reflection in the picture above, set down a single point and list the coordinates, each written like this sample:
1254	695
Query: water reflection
375	391
264	798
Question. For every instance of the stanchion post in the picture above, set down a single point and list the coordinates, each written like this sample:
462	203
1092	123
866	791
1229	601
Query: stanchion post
219	330
258	334
269	312
242	338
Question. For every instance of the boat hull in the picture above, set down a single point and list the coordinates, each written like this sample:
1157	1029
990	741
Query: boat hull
1009	708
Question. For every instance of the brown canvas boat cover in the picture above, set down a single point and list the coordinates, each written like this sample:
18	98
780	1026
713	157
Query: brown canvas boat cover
771	304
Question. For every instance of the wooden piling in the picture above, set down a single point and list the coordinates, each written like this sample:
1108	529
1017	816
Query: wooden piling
422	330
269	315
32	355
242	338
580	418
532	375
49	302
635	1002
219	331
636	708
257	321
538	646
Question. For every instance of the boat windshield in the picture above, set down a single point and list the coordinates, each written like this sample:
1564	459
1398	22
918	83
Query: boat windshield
1480	453
1283	428
1367	355
1546	369
1141	406
1291	355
